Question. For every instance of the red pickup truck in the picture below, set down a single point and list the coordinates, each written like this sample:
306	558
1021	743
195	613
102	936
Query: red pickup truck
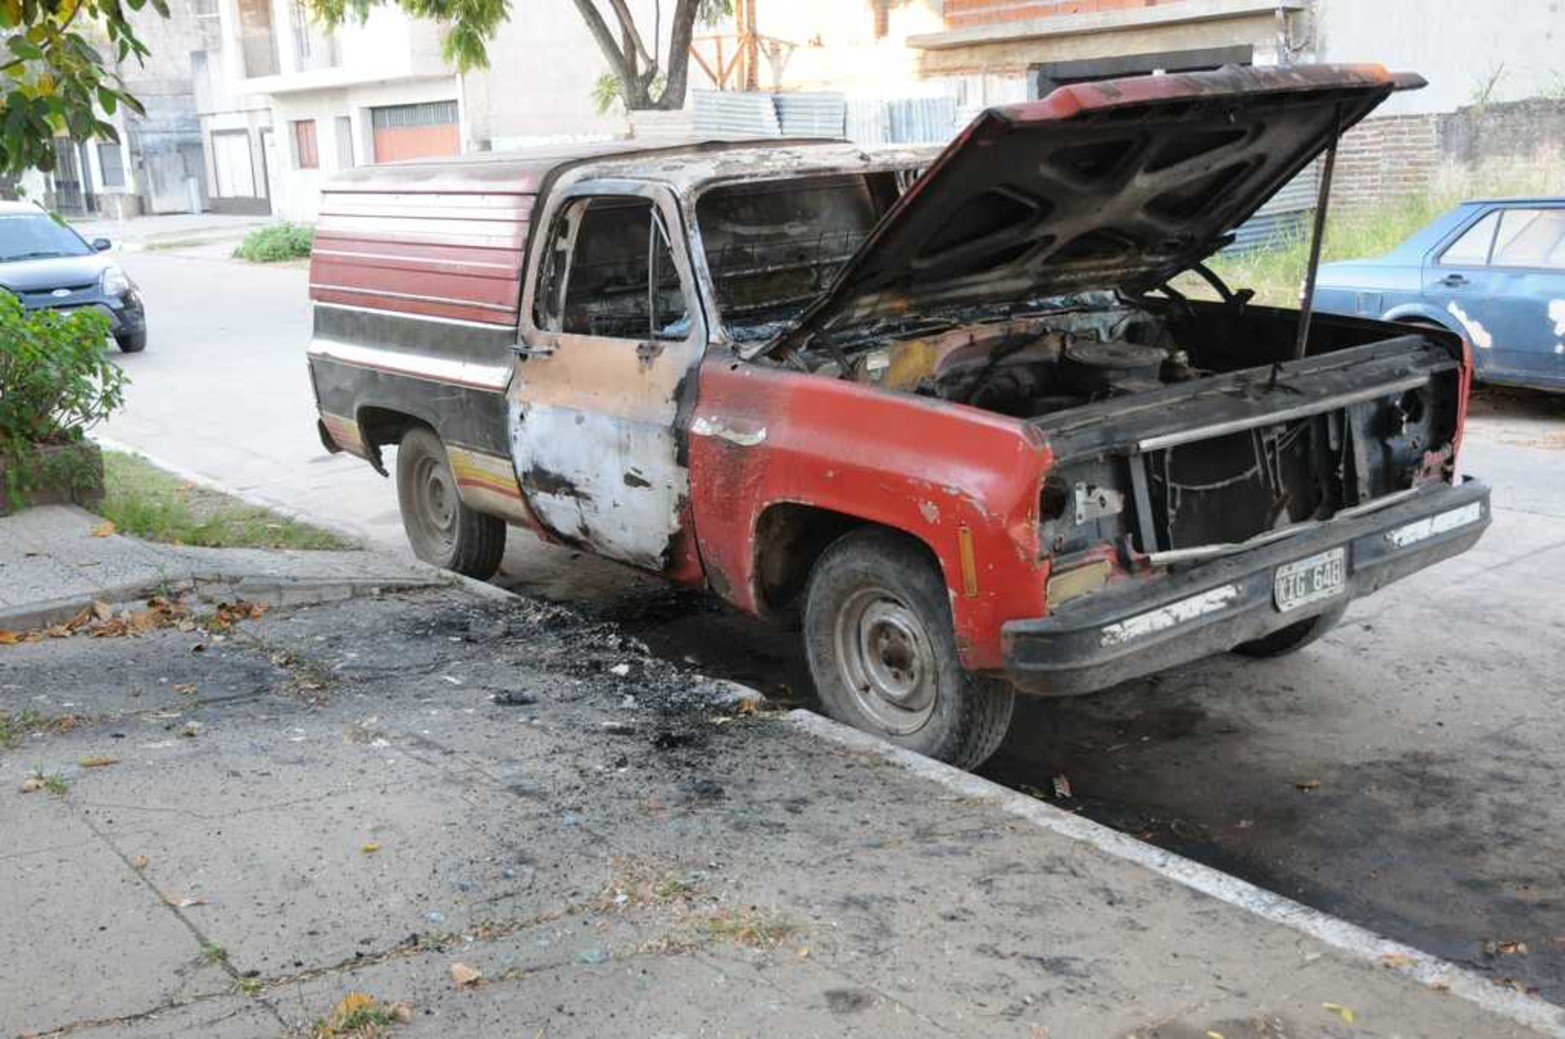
952	410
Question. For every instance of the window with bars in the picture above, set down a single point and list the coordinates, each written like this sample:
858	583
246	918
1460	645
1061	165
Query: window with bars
428	113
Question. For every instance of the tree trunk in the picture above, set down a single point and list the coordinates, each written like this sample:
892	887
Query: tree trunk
635	83
678	67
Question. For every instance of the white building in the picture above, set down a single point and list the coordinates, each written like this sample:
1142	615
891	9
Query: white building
285	103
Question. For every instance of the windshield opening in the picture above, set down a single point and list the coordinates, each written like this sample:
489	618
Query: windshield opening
773	247
35	236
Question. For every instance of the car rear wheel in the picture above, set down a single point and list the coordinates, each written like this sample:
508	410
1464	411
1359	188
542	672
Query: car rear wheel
878	634
1293	637
441	528
132	342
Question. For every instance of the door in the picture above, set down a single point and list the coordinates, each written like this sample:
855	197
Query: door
1503	281
611	337
231	165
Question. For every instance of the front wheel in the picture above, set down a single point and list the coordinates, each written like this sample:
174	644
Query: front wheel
878	634
440	526
132	342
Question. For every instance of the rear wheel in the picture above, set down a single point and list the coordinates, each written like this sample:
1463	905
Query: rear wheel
441	529
1294	636
878	634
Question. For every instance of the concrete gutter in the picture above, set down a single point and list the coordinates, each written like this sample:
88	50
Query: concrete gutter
1187	12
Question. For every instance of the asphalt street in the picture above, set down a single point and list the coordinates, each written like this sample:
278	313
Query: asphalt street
1404	772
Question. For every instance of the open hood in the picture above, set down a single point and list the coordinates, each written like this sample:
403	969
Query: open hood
1115	184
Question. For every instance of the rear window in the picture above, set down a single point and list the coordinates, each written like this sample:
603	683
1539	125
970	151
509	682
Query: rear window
773	247
35	236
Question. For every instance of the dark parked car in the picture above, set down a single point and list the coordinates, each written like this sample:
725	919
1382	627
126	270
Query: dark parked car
46	264
1490	269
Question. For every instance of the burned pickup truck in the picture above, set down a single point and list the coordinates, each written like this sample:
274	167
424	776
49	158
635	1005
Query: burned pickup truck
958	414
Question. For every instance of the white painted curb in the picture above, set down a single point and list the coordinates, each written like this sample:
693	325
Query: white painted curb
1349	939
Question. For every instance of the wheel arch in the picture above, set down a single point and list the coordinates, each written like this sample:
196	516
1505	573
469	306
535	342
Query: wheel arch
790	537
379	426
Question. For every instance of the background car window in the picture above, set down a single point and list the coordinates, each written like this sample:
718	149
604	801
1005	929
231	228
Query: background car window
1472	249
1529	238
612	258
34	236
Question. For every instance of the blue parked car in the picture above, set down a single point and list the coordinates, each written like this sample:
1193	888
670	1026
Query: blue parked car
1492	270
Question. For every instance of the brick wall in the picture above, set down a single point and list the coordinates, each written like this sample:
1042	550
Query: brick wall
1495	147
1387	158
964	14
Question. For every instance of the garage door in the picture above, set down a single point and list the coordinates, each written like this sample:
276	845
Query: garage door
414	131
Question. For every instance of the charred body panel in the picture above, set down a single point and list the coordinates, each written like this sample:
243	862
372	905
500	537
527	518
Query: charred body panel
963	482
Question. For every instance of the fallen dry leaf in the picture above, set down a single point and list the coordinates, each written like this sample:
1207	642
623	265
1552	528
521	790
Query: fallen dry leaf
1346	1013
104	529
185	688
9	638
102	610
401	1013
98	762
138	862
32	783
1507	947
803	952
370	847
1308	784
1396	959
463	976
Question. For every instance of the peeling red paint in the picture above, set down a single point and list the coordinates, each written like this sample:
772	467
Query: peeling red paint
876	457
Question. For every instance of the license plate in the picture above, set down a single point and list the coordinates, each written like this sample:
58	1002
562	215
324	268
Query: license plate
1310	580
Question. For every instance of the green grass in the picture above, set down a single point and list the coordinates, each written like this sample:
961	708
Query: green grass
141	499
275	243
1356	232
15	727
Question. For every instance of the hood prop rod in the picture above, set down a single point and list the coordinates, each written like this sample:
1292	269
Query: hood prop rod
1317	233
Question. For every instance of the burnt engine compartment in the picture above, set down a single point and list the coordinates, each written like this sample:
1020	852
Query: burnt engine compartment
1029	367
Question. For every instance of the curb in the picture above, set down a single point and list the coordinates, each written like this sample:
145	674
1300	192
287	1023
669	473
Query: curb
482	589
1349	939
271	590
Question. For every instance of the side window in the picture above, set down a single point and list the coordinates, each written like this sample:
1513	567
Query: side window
609	271
1529	238
1472	249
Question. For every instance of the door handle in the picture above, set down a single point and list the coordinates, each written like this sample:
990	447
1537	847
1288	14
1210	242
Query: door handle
1453	281
523	351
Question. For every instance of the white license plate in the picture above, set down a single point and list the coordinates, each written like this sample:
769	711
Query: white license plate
1310	580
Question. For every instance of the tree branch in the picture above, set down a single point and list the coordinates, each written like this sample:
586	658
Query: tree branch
619	62
627	22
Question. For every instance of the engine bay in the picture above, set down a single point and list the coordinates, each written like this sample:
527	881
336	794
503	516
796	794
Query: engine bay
1028	367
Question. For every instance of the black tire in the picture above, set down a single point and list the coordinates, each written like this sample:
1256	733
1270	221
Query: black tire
132	342
1294	637
878	634
440	527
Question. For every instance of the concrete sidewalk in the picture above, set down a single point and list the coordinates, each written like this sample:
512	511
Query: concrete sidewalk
178	231
518	823
52	564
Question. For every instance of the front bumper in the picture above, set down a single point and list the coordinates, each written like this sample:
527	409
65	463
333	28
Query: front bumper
1143	627
127	315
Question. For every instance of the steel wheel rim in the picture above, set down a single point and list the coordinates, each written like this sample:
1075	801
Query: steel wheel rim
887	660
436	500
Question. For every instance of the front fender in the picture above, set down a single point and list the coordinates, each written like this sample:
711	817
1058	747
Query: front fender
964	482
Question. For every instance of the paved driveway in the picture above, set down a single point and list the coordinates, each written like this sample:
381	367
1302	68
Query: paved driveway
1431	719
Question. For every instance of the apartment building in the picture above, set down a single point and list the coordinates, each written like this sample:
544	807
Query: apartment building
287	103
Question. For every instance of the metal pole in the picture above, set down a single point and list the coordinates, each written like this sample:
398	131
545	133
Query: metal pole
1307	304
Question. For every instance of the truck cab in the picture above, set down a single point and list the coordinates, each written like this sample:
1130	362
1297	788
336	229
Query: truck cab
945	409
